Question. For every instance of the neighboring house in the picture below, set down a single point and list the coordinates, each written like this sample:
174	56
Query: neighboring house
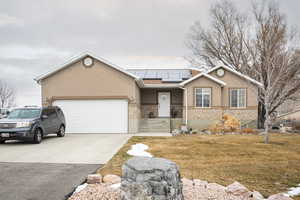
290	105
288	114
100	97
291	119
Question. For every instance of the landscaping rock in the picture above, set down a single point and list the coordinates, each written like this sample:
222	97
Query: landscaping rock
94	178
279	196
97	192
216	187
256	196
192	190
176	132
112	179
187	182
200	183
145	178
237	189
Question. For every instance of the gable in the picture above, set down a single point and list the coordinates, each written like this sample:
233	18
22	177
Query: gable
213	71
203	75
98	80
81	58
232	79
203	81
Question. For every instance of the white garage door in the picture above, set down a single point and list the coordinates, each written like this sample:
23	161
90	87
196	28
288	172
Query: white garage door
95	116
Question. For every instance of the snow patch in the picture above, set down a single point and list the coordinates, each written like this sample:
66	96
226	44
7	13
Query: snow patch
139	150
80	188
294	191
116	186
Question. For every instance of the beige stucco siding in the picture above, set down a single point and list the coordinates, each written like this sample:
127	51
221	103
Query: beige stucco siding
99	81
137	94
204	82
235	81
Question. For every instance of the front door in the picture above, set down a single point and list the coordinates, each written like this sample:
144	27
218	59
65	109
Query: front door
164	102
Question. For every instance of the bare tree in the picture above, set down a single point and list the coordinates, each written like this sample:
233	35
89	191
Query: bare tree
7	95
223	41
261	47
276	60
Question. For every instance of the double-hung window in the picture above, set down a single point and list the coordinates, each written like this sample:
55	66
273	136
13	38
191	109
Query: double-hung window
238	98
203	97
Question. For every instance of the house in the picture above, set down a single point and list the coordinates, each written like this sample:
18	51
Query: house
289	119
288	114
289	106
100	97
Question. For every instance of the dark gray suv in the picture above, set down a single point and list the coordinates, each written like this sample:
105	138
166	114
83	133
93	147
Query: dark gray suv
32	123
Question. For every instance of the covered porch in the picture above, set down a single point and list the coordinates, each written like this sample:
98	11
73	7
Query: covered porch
161	109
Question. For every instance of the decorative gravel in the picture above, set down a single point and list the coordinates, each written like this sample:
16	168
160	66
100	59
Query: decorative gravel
97	192
191	192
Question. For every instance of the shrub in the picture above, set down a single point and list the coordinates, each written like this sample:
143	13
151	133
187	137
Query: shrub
248	131
228	124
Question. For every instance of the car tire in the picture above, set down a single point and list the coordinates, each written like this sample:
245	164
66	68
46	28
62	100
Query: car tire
61	131
2	141
38	136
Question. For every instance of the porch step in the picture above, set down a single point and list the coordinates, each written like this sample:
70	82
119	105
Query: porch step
155	125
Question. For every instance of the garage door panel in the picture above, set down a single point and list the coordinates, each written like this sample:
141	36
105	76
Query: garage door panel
95	116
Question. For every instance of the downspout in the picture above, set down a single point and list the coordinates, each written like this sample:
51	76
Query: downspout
186	105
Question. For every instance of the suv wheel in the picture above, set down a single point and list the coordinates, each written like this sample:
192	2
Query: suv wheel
2	141
61	132
38	136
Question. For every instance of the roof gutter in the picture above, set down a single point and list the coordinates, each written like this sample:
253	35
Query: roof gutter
161	86
140	82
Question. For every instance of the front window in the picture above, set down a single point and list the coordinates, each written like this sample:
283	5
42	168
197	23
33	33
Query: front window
24	114
203	97
237	98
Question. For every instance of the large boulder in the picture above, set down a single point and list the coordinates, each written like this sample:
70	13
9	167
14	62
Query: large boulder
146	178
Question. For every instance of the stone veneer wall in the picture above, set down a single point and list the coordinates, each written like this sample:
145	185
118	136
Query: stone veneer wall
134	116
204	118
146	109
176	123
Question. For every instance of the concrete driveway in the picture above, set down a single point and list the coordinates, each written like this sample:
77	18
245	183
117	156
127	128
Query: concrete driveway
52	169
71	149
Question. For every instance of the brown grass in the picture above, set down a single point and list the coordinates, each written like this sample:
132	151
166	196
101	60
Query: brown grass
268	168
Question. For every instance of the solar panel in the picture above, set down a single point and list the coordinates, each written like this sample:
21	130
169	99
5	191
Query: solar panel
150	74
166	75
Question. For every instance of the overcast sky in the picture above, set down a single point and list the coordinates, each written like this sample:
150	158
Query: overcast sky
38	35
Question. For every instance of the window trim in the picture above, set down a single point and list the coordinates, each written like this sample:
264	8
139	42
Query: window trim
246	96
195	97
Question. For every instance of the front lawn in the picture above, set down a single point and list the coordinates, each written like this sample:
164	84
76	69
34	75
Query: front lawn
268	168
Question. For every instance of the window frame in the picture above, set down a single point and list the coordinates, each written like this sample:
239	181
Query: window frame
195	97
230	97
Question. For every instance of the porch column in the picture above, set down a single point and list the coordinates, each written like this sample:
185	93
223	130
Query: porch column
185	105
